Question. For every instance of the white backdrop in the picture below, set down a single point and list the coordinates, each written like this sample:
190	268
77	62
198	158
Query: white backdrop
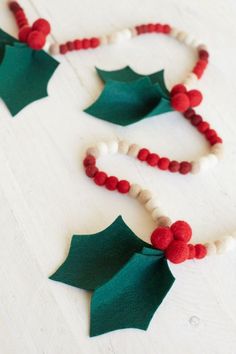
45	196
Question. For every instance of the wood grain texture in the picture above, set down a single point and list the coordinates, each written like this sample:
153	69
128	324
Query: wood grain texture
45	197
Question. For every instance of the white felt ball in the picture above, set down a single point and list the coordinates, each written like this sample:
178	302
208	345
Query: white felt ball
135	190
133	150
112	146
102	148
123	147
144	196
54	49
152	204
211	248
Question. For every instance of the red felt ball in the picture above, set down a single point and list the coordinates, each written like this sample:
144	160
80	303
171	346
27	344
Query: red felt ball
94	42
42	25
203	54
85	43
177	251
203	127
143	154
180	88
123	186
14	6
181	230
111	183
100	178
152	159
166	29
70	45
36	40
159	28
215	140
200	251
195	98
180	102
161	237
185	167
210	133
23	33
78	44
189	113
191	249
174	166
164	163
63	49
196	119
151	28
91	171
89	160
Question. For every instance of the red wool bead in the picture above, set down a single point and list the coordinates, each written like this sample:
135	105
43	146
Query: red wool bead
185	167
142	29
85	43
94	42
36	40
196	119
195	98
177	252
200	251
174	166
100	178
123	186
202	64
91	171
159	28
181	231
180	88
14	6
63	49
152	159
23	33
111	183
203	54
78	44
189	113
203	127
198	71
166	29
191	249
42	25
161	237
180	102
143	154
164	163
89	160
151	27
70	46
210	133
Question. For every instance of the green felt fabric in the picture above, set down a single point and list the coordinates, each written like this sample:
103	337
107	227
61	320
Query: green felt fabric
131	297
127	74
125	103
94	259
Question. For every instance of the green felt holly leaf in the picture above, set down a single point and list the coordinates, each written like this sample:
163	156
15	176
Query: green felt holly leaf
129	277
125	103
131	297
24	73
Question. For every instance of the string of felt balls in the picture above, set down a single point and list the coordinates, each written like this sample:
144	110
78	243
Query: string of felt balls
172	238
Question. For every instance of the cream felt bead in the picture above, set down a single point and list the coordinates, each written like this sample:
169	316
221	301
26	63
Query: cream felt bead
212	160
126	33
123	147
156	213
112	146
190	80
102	148
93	151
151	204
135	190
218	150
133	150
54	49
234	235
115	37
224	245
174	32
133	31
104	40
144	196
202	47
211	249
164	221
181	36
196	167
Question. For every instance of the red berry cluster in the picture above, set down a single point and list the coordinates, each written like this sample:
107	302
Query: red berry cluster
181	99
153	28
102	179
202	126
174	242
78	44
163	163
202	63
19	14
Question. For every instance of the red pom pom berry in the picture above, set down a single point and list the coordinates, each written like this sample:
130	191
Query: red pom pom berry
180	102
91	171
143	154
36	40
200	251
195	98
161	237
152	159
177	251
123	186
191	249
111	183
24	33
181	231
164	163
42	25
180	88
89	160
100	178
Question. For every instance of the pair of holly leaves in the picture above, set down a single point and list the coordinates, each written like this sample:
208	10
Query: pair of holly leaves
24	73
129	278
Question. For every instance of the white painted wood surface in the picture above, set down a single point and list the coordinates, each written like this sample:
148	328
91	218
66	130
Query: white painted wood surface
45	196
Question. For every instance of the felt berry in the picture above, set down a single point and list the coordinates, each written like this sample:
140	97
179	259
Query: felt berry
180	102
42	25
185	167
111	183
100	178
189	113
161	238
195	97
94	42
174	166
200	251
196	119
181	231
89	160
85	43
191	249
180	88
166	29
36	40
143	154
152	159
123	186
78	44
91	171
203	54
164	163
203	127
177	251
159	28
24	33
